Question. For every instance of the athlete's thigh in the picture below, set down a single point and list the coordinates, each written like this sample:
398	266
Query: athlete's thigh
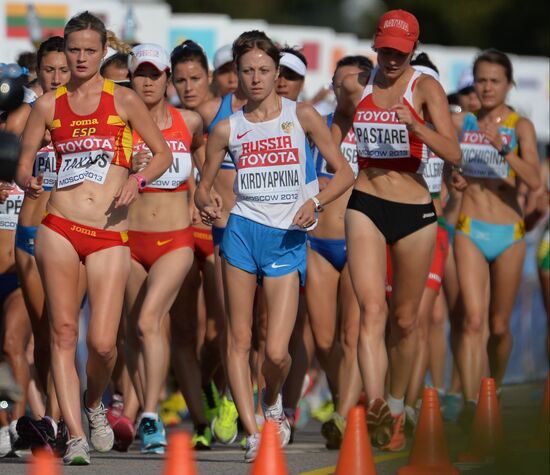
165	279
107	274
212	294
136	288
366	248
31	284
239	287
321	294
506	274
281	294
411	261
59	267
473	276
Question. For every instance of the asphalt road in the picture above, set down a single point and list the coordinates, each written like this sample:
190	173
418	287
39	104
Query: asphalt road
307	456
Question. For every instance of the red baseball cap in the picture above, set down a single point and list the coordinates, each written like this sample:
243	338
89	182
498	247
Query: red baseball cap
397	29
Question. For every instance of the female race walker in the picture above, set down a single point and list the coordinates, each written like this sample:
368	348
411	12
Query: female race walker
89	122
265	236
391	205
160	238
499	151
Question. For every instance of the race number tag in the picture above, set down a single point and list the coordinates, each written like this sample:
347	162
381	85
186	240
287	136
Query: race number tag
9	210
88	159
44	164
432	172
379	135
480	159
269	171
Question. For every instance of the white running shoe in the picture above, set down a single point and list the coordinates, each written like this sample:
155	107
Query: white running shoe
251	447
101	433
5	441
78	452
276	414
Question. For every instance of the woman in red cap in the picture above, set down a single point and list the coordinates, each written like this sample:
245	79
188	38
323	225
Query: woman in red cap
401	113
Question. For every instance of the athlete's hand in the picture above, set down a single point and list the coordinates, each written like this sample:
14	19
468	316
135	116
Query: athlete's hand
458	182
33	186
305	217
210	213
493	135
141	159
404	114
127	194
5	189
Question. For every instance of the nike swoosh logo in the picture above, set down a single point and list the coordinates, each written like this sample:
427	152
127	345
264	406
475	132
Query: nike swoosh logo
240	136
277	266
162	243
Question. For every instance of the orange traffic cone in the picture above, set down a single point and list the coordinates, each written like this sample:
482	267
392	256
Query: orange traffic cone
355	453
44	463
179	457
486	439
270	459
429	453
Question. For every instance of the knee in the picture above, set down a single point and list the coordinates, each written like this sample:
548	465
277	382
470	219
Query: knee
373	319
148	325
239	342
404	323
12	348
65	337
103	348
499	328
277	357
473	324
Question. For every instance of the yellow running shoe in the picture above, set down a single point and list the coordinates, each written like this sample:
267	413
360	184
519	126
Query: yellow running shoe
202	438
210	401
323	413
224	426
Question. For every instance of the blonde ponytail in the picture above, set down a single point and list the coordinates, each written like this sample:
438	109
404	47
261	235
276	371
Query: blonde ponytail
117	44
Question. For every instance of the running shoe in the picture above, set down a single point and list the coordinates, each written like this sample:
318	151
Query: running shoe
5	441
252	446
466	417
323	413
291	418
168	415
101	433
211	401
17	444
276	414
333	431
202	438
115	408
152	435
124	431
379	420
396	434
451	404
61	439
224	426
78	452
37	434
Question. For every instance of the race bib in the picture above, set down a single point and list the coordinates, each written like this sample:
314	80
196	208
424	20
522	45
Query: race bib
269	171
480	159
432	173
88	159
44	164
9	210
379	135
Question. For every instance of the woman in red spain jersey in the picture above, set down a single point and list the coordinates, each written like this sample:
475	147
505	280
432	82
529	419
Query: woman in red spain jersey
89	121
391	205
160	237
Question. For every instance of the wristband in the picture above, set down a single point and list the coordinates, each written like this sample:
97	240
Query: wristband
142	183
317	203
505	150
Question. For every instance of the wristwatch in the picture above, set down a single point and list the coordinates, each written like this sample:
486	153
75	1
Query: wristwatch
142	183
317	204
505	150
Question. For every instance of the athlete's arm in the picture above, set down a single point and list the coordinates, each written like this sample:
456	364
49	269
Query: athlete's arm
17	119
315	127
527	165
37	123
139	118
208	111
216	147
442	139
194	124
